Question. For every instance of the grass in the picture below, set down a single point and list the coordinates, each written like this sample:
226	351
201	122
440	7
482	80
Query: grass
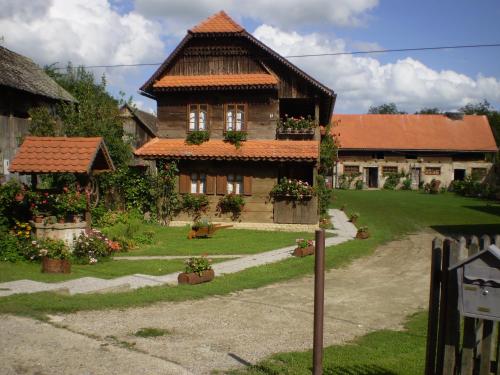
388	214
104	270
173	241
378	353
151	332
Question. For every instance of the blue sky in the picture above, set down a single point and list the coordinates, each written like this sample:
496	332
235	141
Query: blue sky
93	32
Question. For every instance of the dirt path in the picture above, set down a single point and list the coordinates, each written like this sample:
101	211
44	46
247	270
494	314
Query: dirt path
372	293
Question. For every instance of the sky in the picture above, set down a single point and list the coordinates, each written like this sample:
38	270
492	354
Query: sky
107	32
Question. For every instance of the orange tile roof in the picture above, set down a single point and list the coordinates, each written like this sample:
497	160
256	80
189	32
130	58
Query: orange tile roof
217	23
215	80
61	154
218	149
414	132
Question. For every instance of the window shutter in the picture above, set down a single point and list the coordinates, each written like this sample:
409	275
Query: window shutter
221	185
247	185
210	189
184	183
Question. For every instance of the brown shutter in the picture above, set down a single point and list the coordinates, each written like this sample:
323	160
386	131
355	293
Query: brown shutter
184	183
210	184
247	185
221	184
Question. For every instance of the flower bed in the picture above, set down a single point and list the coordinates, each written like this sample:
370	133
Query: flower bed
292	189
296	124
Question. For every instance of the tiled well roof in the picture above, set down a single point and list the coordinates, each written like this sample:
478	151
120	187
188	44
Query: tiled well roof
414	132
61	154
218	149
218	23
218	80
21	73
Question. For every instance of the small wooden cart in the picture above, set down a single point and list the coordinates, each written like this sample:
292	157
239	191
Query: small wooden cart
206	231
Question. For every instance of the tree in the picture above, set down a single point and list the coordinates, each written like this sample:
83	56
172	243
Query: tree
386	109
429	111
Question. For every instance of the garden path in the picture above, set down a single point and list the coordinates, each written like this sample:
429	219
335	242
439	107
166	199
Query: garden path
344	231
221	332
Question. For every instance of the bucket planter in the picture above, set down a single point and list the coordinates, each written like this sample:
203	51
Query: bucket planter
55	265
303	251
195	278
362	234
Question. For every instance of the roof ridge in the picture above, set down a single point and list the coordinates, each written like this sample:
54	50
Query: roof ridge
219	22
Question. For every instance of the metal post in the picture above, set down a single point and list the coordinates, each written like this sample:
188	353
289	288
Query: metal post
319	298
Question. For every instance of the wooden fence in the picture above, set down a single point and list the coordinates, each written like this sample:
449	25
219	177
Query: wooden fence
457	344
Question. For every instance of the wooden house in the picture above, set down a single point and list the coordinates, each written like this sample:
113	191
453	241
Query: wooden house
222	80
444	147
23	85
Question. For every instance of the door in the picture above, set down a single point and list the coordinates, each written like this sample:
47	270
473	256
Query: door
458	174
372	177
415	178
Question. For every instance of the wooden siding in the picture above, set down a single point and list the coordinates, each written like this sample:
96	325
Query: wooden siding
12	131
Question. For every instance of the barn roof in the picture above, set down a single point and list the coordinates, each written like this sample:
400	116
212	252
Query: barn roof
62	155
219	149
441	132
21	73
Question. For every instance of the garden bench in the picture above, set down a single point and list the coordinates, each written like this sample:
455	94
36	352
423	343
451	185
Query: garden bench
207	231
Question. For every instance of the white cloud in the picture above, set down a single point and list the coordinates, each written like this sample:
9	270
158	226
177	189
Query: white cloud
181	14
363	81
81	31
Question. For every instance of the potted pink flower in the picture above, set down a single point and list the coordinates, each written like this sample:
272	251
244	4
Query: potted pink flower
198	270
304	248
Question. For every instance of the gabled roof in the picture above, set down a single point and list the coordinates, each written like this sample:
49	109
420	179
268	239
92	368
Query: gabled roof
62	155
222	24
21	73
414	132
148	120
217	23
219	149
260	80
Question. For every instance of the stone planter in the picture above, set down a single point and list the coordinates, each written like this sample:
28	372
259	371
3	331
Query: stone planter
193	278
67	232
303	251
55	265
362	235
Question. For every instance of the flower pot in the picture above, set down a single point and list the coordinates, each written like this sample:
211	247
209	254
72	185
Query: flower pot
193	278
61	220
362	235
38	219
55	265
76	218
303	251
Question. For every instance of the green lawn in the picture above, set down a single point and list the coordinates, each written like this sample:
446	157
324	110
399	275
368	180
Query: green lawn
388	214
173	241
104	270
377	353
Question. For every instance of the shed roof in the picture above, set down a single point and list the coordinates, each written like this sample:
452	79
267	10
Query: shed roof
217	80
21	73
62	155
414	132
219	149
145	118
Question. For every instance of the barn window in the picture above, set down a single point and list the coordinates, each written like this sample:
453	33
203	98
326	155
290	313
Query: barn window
351	169
388	169
434	171
235	117
198	117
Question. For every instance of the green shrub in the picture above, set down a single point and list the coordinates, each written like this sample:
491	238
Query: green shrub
392	181
10	249
195	204
90	248
197	265
53	249
197	137
324	195
231	203
406	184
359	184
235	137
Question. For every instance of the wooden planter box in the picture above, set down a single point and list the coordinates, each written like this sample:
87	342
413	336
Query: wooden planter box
194	278
304	251
362	235
288	211
55	265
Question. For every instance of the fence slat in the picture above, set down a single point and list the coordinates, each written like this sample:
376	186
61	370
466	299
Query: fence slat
433	319
498	341
452	321
485	241
486	347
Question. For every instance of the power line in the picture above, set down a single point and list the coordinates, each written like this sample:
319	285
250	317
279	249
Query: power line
318	54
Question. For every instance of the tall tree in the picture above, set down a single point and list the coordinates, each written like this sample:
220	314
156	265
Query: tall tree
385	109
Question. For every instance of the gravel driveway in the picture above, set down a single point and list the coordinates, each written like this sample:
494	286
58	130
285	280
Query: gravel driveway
372	293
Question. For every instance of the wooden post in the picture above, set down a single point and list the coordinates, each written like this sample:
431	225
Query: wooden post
432	322
498	339
486	344
319	297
